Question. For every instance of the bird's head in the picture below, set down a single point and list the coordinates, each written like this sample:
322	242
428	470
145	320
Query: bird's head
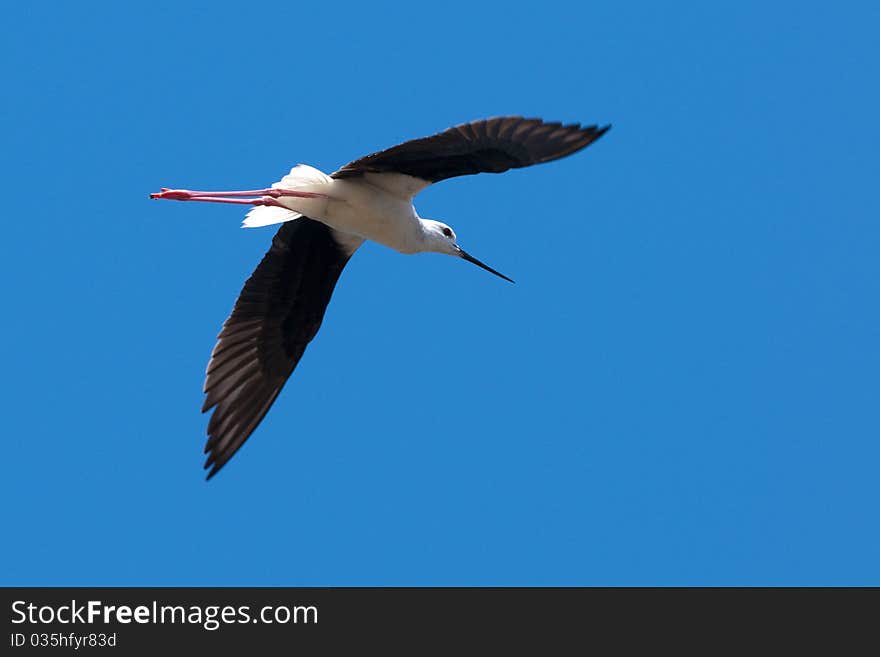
440	238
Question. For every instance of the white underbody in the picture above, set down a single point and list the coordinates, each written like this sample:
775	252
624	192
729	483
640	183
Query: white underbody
375	207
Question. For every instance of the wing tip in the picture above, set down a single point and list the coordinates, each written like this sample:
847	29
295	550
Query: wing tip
601	131
212	461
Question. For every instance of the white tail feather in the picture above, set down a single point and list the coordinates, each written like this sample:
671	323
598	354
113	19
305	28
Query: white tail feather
266	215
302	177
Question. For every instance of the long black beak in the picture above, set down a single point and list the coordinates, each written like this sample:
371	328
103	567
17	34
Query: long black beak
467	256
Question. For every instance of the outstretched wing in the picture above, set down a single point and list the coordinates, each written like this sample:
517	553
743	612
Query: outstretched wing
277	314
487	146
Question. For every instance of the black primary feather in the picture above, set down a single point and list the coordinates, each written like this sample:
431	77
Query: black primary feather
486	146
278	312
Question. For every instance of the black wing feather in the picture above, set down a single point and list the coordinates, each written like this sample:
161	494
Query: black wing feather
486	146
278	312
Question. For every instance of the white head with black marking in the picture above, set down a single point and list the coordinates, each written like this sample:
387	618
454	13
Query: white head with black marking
440	238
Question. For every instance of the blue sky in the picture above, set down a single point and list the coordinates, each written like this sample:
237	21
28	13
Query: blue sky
682	388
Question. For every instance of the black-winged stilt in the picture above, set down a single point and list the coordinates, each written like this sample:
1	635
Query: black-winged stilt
325	219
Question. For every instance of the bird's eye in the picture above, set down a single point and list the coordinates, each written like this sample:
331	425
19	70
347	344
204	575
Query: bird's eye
447	232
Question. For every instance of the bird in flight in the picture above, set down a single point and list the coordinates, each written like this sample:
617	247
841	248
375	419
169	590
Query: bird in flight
324	221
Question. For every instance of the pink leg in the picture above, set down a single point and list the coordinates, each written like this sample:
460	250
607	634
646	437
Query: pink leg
264	200
230	197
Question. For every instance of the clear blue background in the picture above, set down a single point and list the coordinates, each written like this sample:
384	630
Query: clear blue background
682	388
